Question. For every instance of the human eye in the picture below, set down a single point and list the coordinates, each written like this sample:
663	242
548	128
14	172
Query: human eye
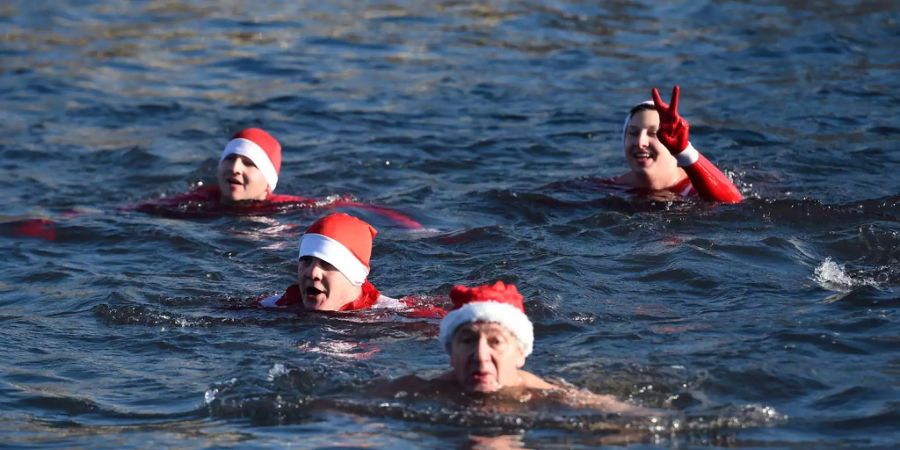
465	337
305	260
247	161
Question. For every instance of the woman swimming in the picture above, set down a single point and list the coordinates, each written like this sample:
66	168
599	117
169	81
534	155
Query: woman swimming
662	159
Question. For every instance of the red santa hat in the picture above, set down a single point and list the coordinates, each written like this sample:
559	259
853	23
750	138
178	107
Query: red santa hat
263	149
500	303
343	241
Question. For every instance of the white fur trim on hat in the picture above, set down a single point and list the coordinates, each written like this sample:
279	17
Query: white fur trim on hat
510	317
334	253
250	149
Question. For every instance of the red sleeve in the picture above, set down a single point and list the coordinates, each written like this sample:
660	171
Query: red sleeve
281	198
422	308
396	216
33	228
711	183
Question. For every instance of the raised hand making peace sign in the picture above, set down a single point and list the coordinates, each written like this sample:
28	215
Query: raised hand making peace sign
673	129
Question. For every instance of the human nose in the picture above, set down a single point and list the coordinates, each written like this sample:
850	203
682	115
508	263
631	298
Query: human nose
482	351
644	139
236	165
313	270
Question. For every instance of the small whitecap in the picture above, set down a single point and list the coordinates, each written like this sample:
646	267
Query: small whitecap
833	276
210	395
277	370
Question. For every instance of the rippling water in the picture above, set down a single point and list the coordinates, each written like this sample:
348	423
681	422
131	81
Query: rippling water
772	323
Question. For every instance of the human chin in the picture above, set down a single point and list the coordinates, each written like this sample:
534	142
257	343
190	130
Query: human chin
230	192
484	386
640	165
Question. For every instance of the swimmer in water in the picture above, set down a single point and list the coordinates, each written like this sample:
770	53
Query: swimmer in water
332	269
246	176
247	173
662	159
488	337
249	166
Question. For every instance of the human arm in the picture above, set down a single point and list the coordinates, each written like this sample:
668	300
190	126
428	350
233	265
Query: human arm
396	216
673	132
582	398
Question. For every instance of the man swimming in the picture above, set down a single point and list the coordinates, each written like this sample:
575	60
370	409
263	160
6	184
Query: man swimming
488	337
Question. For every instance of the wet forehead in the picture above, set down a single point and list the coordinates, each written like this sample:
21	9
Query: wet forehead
646	118
484	328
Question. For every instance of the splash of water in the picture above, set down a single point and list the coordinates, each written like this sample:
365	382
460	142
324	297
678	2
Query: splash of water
833	276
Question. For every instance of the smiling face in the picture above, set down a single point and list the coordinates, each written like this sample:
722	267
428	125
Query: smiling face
240	179
485	357
645	154
322	286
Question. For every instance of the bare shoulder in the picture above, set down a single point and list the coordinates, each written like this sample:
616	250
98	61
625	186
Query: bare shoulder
582	398
532	381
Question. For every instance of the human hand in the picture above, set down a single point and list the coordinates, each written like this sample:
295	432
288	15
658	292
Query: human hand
673	129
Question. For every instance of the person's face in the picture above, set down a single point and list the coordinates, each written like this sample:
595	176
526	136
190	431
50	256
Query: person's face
643	150
322	286
485	356
240	179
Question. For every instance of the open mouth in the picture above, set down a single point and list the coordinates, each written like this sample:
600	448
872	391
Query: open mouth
313	291
235	181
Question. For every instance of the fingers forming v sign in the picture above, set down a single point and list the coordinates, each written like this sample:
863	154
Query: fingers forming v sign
673	129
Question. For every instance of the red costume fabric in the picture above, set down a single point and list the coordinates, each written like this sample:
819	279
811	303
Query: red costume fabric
291	298
674	132
370	298
704	180
683	188
205	201
710	183
31	228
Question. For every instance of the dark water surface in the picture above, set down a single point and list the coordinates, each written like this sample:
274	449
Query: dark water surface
769	324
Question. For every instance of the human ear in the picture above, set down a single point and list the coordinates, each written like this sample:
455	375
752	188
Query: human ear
520	357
